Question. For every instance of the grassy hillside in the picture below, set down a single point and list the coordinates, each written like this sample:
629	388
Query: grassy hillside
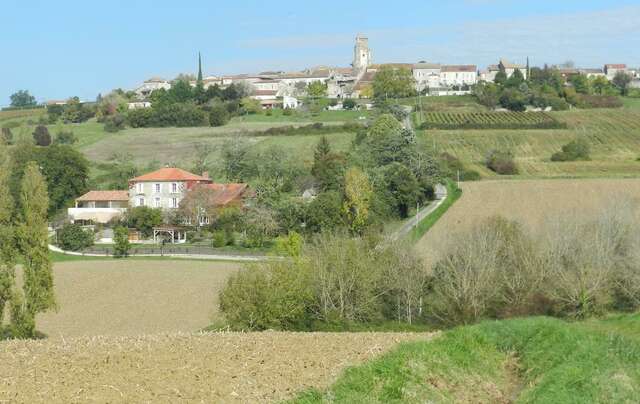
614	136
537	360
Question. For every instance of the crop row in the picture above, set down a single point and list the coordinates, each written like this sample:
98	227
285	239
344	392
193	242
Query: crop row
491	120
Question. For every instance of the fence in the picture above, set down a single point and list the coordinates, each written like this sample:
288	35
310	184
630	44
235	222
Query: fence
165	250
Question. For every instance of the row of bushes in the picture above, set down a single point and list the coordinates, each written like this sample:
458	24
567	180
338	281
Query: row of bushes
551	124
317	128
573	269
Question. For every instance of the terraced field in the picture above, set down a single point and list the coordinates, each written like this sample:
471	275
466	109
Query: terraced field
614	136
490	120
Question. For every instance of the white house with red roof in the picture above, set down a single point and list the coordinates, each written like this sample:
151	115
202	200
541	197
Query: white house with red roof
164	189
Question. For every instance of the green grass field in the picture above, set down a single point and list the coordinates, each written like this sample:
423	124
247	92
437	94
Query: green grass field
539	360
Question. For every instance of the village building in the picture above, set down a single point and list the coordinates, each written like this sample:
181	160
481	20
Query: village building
167	189
150	86
509	68
610	70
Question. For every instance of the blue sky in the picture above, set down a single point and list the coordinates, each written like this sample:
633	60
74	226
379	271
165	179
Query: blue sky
57	49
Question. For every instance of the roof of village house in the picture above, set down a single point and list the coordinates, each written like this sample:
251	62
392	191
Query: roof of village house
392	65
265	92
594	71
426	65
460	68
170	174
104	196
156	80
225	194
509	65
616	66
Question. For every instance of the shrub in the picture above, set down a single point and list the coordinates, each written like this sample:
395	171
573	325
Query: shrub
287	112
219	116
66	137
336	279
219	239
7	135
501	162
143	218
72	237
41	136
180	115
121	245
114	123
349	104
587	101
573	151
513	100
141	118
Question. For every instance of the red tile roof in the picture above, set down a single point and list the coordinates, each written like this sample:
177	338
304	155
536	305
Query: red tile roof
104	196
616	66
170	174
460	68
227	193
265	92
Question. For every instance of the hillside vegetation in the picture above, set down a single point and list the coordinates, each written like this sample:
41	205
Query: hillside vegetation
535	360
613	135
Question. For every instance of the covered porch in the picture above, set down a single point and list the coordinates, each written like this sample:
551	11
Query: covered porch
169	234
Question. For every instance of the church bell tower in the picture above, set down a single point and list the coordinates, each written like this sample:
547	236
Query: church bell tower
361	55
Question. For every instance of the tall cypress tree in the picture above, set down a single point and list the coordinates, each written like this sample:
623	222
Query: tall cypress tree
199	68
7	240
33	243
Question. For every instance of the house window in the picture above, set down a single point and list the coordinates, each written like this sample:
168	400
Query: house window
139	187
140	201
174	202
174	188
158	188
156	203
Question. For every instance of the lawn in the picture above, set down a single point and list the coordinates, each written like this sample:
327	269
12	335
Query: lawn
134	297
614	137
534	203
535	360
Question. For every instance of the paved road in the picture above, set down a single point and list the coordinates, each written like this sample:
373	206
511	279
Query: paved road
414	221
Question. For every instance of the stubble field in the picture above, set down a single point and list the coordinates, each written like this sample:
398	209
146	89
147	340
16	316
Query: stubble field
533	203
134	297
216	367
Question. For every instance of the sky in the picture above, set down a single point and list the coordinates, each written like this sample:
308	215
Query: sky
58	49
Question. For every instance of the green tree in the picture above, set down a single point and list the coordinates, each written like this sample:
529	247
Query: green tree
121	242
622	81
317	89
403	187
387	142
488	94
600	84
235	159
65	137
7	239
72	237
501	78
581	83
516	79
328	168
144	219
324	213
33	243
219	116
390	82
358	195
23	99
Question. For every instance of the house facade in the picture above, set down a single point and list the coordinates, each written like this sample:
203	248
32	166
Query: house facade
509	68
164	189
612	69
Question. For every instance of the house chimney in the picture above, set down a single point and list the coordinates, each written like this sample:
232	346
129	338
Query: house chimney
206	174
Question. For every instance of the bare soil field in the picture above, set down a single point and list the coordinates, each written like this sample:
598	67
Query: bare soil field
132	297
218	367
530	202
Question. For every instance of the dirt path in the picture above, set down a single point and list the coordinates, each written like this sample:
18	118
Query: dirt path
220	367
